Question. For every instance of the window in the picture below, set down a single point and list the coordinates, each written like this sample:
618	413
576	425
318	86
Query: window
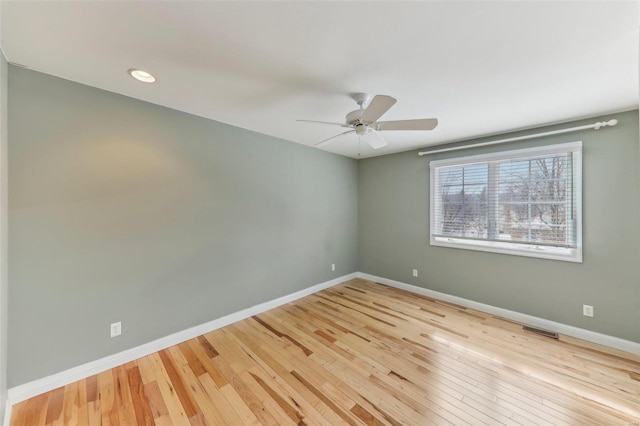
525	202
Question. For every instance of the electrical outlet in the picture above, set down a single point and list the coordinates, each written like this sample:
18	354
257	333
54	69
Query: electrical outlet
415	272
587	310
116	329
333	266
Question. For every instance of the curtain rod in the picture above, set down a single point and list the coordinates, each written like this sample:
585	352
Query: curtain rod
594	126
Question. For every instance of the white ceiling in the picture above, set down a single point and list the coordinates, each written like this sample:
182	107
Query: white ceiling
479	67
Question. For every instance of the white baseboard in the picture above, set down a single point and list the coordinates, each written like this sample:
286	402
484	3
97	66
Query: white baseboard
580	333
7	413
46	384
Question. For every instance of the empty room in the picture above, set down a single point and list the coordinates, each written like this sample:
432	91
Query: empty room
319	213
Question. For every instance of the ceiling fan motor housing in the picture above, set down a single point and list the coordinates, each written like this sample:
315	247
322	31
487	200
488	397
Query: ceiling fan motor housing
355	117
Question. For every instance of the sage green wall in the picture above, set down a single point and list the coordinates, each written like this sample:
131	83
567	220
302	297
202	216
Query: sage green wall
394	236
121	210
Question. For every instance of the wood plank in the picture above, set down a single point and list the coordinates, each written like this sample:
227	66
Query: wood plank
83	407
109	410
172	402
32	412
70	406
187	401
153	395
123	400
139	400
231	411
54	406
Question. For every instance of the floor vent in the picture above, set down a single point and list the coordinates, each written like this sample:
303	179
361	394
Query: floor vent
540	331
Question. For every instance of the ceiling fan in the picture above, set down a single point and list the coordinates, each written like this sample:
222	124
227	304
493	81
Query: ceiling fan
364	121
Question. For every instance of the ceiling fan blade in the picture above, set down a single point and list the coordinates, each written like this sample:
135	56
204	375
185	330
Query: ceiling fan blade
333	137
374	139
378	106
421	124
324	122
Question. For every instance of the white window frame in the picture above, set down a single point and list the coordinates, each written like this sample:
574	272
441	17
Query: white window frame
513	248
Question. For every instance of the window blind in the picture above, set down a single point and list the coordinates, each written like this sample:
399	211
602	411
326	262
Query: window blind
525	197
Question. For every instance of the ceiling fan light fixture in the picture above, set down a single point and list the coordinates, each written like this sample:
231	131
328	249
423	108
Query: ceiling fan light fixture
374	139
141	75
361	129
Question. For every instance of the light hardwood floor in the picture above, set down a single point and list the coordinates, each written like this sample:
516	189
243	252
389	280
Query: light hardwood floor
358	353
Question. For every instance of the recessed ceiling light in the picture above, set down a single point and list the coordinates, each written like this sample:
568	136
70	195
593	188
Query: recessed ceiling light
140	75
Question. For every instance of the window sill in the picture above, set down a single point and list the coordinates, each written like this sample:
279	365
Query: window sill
552	253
